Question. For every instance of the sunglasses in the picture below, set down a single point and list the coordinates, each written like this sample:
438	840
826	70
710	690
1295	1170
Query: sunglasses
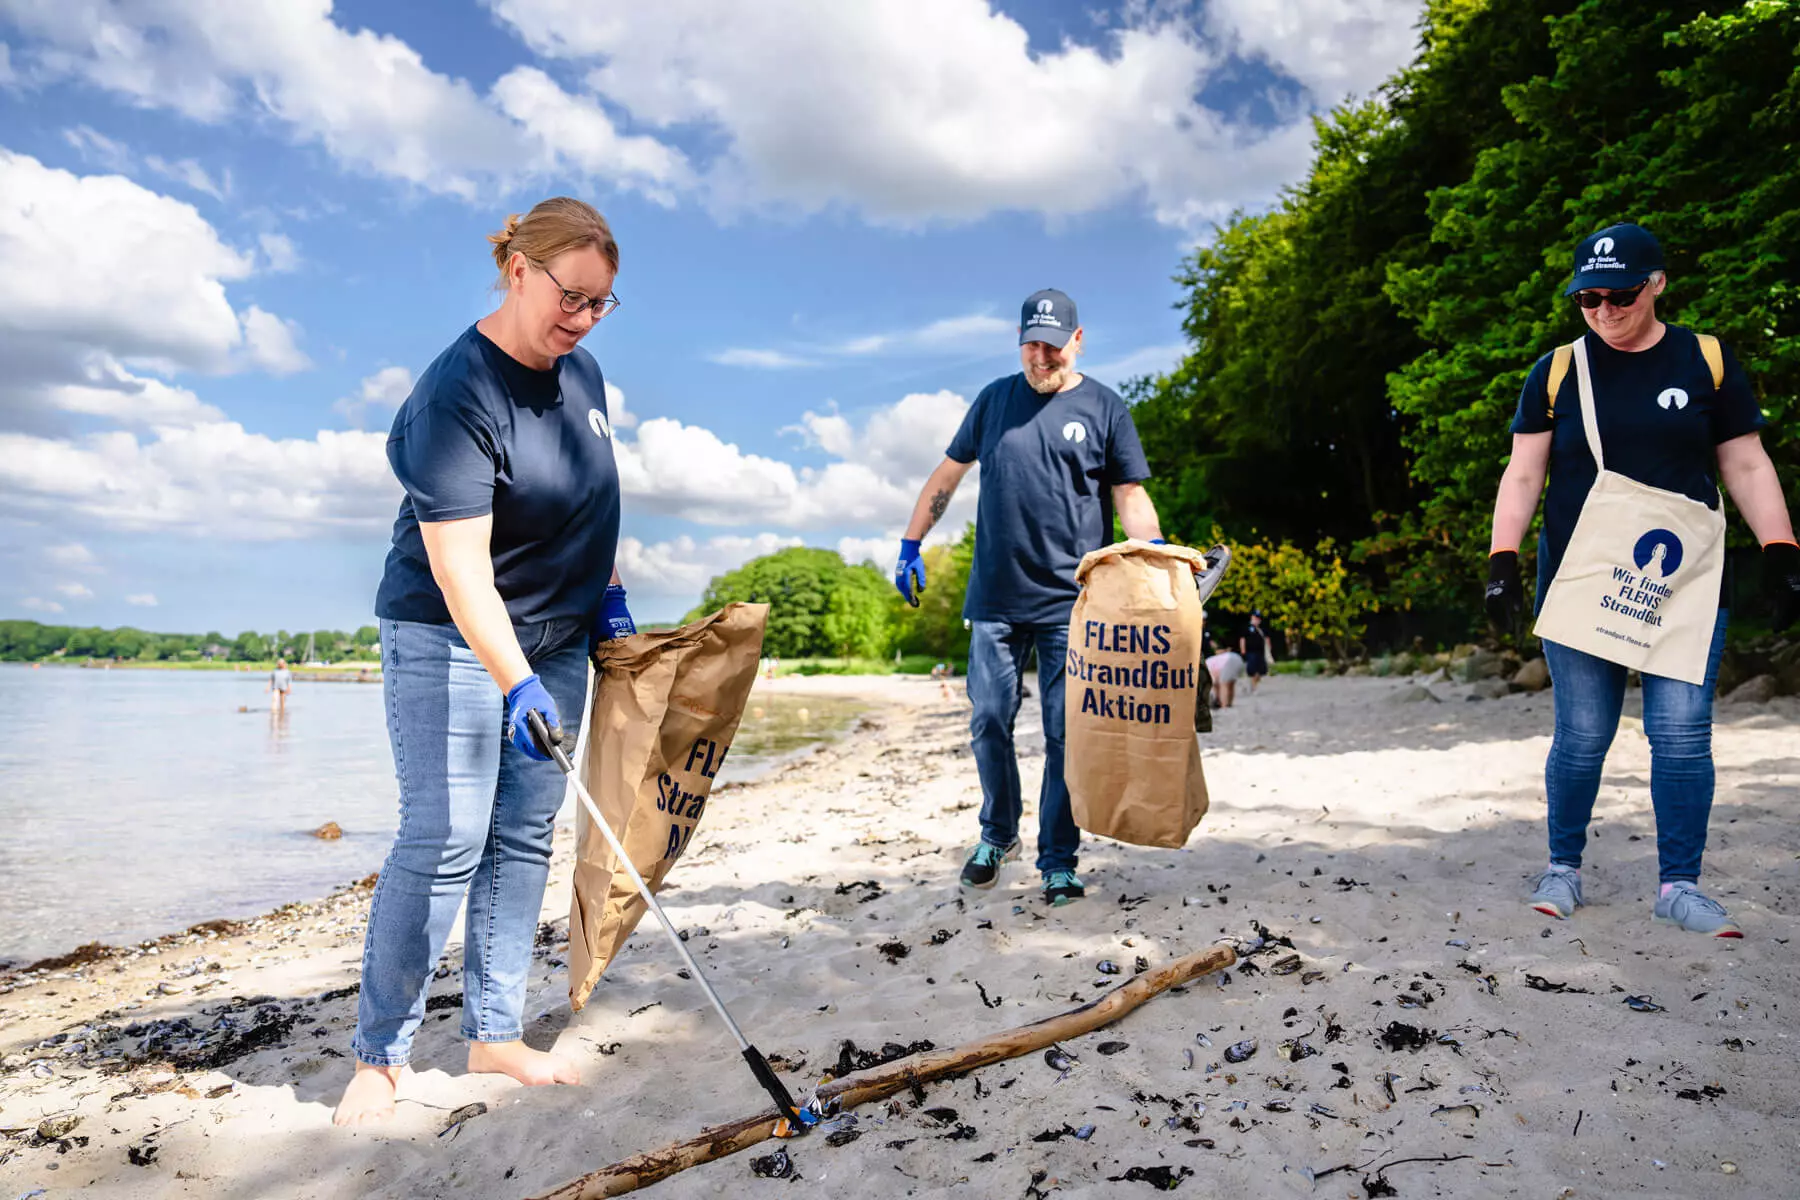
1624	298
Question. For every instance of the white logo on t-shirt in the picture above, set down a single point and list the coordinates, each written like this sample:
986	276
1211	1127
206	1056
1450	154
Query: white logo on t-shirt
1674	396
1075	432
599	424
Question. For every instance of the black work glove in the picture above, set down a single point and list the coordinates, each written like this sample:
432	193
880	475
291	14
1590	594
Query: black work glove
1505	597
1781	580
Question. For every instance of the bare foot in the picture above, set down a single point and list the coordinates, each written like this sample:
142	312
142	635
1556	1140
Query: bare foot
530	1067
369	1097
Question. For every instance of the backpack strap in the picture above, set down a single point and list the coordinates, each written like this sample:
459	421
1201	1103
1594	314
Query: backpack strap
1559	369
1714	355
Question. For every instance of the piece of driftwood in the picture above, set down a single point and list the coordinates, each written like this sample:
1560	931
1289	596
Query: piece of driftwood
877	1083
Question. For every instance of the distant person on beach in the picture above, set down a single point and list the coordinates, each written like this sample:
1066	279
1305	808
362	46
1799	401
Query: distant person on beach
1647	406
1254	646
499	584
1058	450
1226	668
281	682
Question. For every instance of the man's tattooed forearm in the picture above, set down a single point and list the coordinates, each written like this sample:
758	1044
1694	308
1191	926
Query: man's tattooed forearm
939	503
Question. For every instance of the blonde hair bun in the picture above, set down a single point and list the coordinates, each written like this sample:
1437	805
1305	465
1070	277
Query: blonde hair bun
553	227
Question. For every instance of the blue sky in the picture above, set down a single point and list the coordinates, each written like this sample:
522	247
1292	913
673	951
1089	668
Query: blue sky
233	231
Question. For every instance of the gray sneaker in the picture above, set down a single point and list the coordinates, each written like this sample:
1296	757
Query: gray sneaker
1695	911
1557	892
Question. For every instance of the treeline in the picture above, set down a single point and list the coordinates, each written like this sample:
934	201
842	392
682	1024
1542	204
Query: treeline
1359	349
29	641
822	607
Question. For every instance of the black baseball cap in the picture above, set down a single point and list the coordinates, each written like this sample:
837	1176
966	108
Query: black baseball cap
1619	256
1048	316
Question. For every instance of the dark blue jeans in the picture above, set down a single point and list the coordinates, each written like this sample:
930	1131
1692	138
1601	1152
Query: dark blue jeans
997	654
1589	694
476	817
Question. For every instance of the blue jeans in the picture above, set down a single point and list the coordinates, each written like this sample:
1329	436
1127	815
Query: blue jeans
476	817
1589	694
997	653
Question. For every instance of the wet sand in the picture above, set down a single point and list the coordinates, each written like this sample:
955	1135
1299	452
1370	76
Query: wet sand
1388	842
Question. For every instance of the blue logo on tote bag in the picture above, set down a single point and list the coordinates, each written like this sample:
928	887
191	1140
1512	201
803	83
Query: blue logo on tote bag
1660	549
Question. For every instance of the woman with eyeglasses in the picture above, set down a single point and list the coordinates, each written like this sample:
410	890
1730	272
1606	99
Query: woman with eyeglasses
499	582
1636	426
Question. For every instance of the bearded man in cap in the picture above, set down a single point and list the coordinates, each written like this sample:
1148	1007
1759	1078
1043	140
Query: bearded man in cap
1059	453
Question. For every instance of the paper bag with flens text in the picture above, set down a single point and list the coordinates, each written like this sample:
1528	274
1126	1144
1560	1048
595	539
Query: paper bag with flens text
666	707
1131	757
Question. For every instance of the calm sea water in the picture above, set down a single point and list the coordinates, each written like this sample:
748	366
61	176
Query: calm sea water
136	802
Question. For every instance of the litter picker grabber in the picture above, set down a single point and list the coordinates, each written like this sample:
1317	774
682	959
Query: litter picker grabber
798	1119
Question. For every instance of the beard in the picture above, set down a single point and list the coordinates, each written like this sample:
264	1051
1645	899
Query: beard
1050	382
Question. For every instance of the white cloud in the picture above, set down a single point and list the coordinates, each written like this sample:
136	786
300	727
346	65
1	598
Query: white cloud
210	480
279	252
166	271
683	566
1334	48
109	390
688	471
616	412
95	147
189	173
913	110
764	360
379	394
369	99
902	110
75	591
948	334
575	130
269	342
37	605
70	554
141	600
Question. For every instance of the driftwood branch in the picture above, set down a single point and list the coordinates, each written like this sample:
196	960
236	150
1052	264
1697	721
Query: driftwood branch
889	1079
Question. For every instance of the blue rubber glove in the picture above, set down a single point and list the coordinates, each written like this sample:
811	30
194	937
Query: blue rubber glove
615	619
909	566
529	694
1159	541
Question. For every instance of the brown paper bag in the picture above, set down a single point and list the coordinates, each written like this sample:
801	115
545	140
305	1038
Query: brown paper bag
666	706
1130	754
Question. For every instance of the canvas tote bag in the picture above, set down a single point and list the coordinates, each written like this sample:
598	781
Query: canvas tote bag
1131	757
666	707
1639	582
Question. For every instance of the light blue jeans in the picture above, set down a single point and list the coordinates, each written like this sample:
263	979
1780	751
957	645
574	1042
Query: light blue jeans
476	817
1589	694
997	655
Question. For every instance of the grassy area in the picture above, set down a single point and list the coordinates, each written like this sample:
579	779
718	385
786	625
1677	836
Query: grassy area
913	664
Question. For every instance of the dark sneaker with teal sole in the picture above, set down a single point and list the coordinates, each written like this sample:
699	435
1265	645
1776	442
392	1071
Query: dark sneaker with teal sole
983	865
1062	887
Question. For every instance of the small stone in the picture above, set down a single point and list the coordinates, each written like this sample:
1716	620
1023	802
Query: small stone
1760	690
55	1128
329	831
1730	1168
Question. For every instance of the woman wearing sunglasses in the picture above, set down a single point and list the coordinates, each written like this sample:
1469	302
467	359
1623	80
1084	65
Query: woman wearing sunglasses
1636	425
499	581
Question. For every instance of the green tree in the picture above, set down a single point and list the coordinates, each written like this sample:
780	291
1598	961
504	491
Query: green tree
801	586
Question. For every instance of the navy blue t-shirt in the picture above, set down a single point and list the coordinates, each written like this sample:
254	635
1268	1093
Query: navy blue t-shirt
483	433
1661	421
1046	464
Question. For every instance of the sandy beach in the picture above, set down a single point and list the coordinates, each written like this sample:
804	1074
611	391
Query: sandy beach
1435	1038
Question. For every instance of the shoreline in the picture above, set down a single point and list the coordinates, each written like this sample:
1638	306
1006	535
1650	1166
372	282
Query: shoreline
1387	837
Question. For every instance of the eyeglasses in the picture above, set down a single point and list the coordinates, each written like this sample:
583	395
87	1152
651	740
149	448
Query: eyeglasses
574	302
1624	298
